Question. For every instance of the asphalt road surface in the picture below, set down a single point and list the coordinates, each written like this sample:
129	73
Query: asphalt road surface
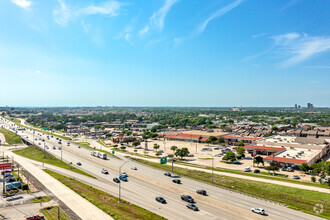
146	183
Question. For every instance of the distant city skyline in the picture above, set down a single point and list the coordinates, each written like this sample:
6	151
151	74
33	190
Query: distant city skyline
175	53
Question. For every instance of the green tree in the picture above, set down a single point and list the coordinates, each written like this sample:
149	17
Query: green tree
240	144
240	151
158	154
272	168
229	156
259	160
173	148
184	152
156	146
212	138
313	179
123	148
221	140
304	167
274	128
136	143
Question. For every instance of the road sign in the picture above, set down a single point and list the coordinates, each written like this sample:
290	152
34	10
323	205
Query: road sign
163	160
5	166
44	128
113	152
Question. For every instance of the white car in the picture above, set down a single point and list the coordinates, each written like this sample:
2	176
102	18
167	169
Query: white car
104	171
259	211
123	174
134	168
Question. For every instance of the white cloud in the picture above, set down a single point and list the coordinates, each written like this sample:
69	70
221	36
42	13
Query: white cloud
22	3
217	14
127	36
37	71
156	21
85	26
62	14
299	48
259	35
107	8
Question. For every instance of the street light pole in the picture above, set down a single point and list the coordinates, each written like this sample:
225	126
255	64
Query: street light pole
61	151
44	150
120	180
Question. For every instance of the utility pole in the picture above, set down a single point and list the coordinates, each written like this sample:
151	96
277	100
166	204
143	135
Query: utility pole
61	151
212	165
44	150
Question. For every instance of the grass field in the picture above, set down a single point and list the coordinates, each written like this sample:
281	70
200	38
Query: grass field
41	199
52	213
299	199
106	202
11	137
34	153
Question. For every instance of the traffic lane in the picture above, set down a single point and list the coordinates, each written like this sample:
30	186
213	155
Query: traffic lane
258	204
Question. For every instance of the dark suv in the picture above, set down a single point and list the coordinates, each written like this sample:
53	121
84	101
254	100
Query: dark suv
192	207
161	200
202	192
187	198
176	181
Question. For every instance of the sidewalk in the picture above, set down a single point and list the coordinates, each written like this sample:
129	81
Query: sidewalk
79	205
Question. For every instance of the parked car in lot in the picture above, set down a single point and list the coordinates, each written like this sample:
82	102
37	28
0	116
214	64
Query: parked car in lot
79	164
116	180
167	174
247	169
161	200
201	192
218	155
190	155
187	198
192	207
176	181
289	169
248	158
256	171
295	177
54	148
237	162
283	169
104	171
260	211
123	178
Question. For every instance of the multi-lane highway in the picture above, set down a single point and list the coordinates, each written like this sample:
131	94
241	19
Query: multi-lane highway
146	183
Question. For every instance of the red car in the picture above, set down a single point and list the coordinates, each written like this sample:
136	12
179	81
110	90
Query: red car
36	217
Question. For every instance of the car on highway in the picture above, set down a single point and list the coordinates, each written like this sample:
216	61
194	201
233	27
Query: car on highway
256	171
79	164
247	169
70	163
123	178
187	198
39	143
134	168
259	211
167	174
104	171
295	177
192	207
176	181
161	200
201	192
54	148
59	148
123	174
116	180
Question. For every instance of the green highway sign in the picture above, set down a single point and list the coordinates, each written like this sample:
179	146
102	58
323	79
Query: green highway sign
163	160
113	152
44	128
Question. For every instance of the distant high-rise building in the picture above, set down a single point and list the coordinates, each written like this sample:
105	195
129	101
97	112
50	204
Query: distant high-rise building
299	107
295	106
310	106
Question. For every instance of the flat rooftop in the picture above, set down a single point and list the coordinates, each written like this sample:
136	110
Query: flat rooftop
299	153
216	132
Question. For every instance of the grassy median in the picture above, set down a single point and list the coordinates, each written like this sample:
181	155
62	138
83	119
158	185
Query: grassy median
106	202
54	213
299	199
41	199
34	153
11	137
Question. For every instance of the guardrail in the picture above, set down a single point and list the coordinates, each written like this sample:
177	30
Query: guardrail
221	187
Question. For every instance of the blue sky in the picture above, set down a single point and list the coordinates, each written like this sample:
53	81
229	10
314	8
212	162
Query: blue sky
164	53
